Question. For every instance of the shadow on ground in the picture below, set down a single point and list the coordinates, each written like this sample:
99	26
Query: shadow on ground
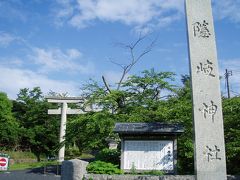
54	169
48	173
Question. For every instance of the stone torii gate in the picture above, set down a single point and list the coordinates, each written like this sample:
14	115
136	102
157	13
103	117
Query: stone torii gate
64	110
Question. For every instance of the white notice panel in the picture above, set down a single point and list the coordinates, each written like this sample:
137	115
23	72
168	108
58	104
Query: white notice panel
148	155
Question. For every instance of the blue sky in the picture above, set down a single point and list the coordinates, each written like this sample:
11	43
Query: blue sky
59	44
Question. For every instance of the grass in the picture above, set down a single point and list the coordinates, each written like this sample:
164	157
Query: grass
153	172
22	166
20	157
86	156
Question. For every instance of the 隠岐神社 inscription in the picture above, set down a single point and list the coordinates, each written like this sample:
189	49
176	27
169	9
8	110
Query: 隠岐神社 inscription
209	110
209	157
201	29
213	153
206	68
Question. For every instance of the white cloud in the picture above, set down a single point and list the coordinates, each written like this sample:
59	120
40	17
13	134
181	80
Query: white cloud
13	79
74	53
34	67
82	13
12	61
234	66
48	60
13	10
227	9
6	39
66	10
142	14
52	60
230	64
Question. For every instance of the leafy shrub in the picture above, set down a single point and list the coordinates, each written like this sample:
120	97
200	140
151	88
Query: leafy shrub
72	153
101	167
109	155
133	169
154	172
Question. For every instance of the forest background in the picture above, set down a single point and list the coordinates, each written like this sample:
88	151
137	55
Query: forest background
148	97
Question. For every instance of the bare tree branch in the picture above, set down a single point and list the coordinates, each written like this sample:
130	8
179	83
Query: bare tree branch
118	64
138	41
156	94
122	77
134	58
106	84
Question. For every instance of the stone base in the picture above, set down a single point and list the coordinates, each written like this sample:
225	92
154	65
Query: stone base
145	177
73	169
136	177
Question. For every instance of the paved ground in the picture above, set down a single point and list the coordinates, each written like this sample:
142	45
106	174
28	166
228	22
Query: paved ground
32	174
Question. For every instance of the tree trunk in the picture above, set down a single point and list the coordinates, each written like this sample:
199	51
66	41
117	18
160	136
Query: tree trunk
38	157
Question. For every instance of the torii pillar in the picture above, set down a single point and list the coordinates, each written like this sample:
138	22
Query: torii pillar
64	110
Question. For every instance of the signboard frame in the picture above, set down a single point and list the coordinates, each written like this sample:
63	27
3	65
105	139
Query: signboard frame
7	157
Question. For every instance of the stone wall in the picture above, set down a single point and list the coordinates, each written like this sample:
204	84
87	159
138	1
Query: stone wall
136	177
76	170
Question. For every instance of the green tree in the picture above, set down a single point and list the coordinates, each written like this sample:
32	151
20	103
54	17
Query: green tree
231	116
139	99
39	131
113	96
140	90
149	86
8	125
142	104
178	109
144	100
90	131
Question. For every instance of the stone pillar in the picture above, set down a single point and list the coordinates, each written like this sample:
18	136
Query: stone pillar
175	154
61	152
122	153
210	162
73	169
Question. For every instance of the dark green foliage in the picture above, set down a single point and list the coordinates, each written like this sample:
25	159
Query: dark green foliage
109	155
135	91
72	152
90	131
178	109
139	99
9	128
142	103
100	167
147	88
38	130
231	115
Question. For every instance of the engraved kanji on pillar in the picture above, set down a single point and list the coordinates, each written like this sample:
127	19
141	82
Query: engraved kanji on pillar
210	161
